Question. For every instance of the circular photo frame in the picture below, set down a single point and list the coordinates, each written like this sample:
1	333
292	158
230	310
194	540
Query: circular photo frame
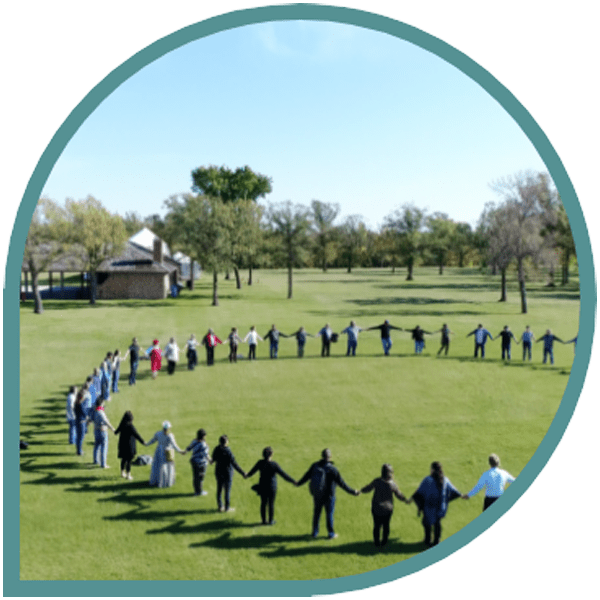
516	111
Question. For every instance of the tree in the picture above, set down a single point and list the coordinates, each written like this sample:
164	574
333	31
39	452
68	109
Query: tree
245	236
133	223
99	234
202	225
439	237
230	186
290	225
407	223
352	240
323	215
45	242
501	240
527	196
461	242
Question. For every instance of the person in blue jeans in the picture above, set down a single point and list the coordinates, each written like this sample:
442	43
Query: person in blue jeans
481	336
527	338
549	340
324	477
352	332
81	419
101	426
273	336
134	360
386	339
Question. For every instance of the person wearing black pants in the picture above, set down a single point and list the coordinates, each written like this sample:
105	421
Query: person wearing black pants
382	505
200	459
445	331
234	339
267	484
127	448
225	463
209	341
326	337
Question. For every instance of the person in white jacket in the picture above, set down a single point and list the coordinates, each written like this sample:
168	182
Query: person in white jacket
494	481
252	338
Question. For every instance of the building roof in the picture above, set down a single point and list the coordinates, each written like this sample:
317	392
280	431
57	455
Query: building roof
137	259
145	238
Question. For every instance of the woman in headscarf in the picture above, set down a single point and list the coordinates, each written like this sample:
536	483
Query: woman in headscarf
432	498
162	473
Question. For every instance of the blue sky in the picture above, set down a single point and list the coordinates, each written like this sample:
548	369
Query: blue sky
329	111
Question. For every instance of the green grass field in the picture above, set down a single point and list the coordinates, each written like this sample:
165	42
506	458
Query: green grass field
404	409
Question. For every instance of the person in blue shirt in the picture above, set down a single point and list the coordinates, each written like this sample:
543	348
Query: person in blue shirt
574	342
527	338
301	336
432	499
352	332
548	340
481	336
506	335
199	461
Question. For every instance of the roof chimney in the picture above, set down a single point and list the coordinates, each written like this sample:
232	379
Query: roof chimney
158	251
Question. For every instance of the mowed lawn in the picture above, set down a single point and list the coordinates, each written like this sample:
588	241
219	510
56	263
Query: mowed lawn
403	409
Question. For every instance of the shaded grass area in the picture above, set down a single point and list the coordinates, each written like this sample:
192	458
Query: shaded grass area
404	409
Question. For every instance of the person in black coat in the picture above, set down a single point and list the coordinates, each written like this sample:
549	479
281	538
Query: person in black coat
267	484
127	447
225	463
324	477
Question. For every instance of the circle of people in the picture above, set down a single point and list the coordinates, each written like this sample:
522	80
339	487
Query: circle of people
86	406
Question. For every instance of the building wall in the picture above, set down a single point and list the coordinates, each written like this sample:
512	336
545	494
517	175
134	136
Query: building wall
143	286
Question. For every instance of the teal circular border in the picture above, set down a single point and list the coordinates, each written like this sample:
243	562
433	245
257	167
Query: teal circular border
12	585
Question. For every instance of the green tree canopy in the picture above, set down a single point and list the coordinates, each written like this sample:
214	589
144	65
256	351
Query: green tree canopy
99	234
202	225
230	186
45	242
289	225
407	223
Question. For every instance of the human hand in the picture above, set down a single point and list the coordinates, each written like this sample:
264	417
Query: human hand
465	497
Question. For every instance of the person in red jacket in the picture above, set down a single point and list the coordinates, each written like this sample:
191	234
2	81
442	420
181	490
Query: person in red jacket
155	358
209	341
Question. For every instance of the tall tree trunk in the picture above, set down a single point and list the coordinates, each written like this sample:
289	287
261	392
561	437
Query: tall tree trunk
93	286
409	266
289	280
565	268
522	289
215	301
461	260
192	262
250	274
38	307
441	265
238	281
503	285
